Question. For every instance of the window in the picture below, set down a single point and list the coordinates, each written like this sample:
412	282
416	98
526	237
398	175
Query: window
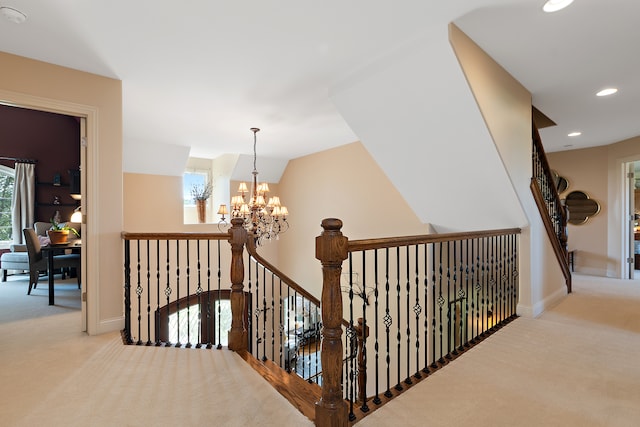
6	195
189	180
202	319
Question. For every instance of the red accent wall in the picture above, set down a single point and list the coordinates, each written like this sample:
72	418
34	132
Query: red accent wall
53	140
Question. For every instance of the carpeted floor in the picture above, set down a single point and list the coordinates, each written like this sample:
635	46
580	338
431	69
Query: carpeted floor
576	365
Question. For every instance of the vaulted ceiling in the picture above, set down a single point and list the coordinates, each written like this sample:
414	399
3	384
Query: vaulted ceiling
199	74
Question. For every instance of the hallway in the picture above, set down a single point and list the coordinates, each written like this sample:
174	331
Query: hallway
576	365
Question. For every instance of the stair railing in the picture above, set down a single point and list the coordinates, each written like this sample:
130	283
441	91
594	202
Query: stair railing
414	304
552	210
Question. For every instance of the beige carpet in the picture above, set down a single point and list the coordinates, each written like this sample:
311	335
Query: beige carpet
577	365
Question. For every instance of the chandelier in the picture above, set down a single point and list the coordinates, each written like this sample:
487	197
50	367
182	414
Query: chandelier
266	220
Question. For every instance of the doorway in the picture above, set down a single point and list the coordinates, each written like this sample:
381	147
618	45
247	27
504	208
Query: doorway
631	257
53	140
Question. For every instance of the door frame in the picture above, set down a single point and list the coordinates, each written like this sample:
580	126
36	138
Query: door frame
88	163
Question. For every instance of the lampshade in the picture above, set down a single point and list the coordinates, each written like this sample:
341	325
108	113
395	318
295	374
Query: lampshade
76	216
223	210
243	188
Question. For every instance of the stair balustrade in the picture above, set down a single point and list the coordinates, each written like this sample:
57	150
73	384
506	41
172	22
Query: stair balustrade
411	304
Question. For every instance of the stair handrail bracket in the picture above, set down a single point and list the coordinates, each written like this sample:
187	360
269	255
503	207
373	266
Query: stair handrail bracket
331	250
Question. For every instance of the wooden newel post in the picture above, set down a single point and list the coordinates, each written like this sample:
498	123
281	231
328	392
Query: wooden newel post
331	250
238	332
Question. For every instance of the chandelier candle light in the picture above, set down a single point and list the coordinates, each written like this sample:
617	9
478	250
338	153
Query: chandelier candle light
266	220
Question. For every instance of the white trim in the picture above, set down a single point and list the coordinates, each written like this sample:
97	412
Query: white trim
91	239
541	306
110	325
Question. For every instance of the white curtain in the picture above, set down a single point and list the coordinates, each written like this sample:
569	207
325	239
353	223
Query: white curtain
23	204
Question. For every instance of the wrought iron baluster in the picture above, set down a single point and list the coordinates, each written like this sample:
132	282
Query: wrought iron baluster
148	343
139	293
433	304
408	315
399	333
365	300
127	291
264	314
376	347
157	314
461	296
167	293
351	336
417	309
468	279
199	291
448	301
441	302
387	323
273	321
188	345
425	258
178	343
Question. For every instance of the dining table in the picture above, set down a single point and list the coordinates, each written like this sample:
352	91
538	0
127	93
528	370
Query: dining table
49	251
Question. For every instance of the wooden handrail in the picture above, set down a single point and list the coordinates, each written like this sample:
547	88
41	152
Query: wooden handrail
387	242
174	236
558	238
251	249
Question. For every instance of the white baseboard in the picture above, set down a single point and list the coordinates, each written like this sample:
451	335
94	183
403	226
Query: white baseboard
539	307
110	325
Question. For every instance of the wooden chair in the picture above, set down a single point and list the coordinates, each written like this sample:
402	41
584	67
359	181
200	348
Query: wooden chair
38	263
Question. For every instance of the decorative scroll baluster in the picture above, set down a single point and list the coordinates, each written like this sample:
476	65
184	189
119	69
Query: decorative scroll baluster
387	323
441	302
167	292
139	293
157	315
199	291
417	309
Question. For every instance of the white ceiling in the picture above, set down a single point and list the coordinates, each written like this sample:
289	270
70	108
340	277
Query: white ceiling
200	73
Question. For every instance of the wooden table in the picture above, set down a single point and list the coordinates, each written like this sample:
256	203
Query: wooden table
50	251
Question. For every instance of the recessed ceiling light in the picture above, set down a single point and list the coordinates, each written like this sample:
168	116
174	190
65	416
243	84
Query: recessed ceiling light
576	133
556	5
13	15
607	91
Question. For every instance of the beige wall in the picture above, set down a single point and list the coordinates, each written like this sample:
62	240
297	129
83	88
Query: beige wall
599	172
43	86
343	183
506	108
